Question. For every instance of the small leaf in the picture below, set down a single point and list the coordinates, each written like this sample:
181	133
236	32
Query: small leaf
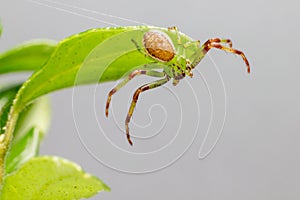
29	56
50	178
22	150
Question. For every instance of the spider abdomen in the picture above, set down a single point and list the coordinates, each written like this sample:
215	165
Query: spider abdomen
158	45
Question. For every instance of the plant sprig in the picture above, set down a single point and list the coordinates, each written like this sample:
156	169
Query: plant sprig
23	173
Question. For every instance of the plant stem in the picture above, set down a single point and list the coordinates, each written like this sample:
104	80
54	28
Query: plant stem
5	142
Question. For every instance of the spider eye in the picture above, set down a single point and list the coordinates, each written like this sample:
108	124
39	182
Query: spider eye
158	45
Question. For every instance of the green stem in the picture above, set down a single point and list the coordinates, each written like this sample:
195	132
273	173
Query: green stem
5	142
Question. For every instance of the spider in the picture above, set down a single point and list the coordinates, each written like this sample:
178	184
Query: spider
175	64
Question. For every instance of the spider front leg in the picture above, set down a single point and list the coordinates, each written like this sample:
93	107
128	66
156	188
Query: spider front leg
135	98
127	79
219	40
216	43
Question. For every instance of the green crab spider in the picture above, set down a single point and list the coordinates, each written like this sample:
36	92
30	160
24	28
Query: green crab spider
158	45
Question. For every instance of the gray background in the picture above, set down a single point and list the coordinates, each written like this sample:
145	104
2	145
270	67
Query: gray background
257	156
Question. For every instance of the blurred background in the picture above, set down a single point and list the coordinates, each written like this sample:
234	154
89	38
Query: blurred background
257	156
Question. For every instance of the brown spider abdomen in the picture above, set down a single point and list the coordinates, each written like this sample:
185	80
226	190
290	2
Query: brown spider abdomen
159	45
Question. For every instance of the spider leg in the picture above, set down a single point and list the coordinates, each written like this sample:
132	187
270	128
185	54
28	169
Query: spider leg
127	79
135	98
220	40
180	49
175	82
215	43
190	43
140	49
174	28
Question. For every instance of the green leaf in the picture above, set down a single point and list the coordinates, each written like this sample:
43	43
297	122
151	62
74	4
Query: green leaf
22	150
65	62
50	178
29	56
